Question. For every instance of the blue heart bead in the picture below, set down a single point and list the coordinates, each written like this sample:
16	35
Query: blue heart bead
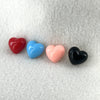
34	49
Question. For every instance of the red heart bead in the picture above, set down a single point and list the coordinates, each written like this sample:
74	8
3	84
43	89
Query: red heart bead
17	44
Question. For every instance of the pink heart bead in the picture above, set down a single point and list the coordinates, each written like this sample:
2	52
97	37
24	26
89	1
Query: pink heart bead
55	53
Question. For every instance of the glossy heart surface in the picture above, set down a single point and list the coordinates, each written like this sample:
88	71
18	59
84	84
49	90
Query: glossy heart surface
55	53
17	44
34	49
76	56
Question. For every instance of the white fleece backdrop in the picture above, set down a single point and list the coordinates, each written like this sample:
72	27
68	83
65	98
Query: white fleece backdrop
66	22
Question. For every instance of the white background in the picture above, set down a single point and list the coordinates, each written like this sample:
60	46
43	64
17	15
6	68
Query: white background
66	22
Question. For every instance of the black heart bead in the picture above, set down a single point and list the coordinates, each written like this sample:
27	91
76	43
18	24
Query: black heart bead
76	56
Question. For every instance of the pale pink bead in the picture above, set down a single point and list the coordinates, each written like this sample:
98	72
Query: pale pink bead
55	53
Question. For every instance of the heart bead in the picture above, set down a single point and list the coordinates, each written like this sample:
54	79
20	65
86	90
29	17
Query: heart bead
34	49
76	56
55	53
17	44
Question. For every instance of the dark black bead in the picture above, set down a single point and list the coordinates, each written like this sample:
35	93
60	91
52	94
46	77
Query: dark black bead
76	56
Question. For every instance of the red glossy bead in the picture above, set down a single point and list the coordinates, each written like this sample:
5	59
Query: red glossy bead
17	44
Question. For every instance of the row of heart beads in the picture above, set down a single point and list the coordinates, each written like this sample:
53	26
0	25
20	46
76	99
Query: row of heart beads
54	53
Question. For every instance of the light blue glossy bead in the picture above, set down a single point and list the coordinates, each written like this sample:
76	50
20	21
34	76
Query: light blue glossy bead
34	49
